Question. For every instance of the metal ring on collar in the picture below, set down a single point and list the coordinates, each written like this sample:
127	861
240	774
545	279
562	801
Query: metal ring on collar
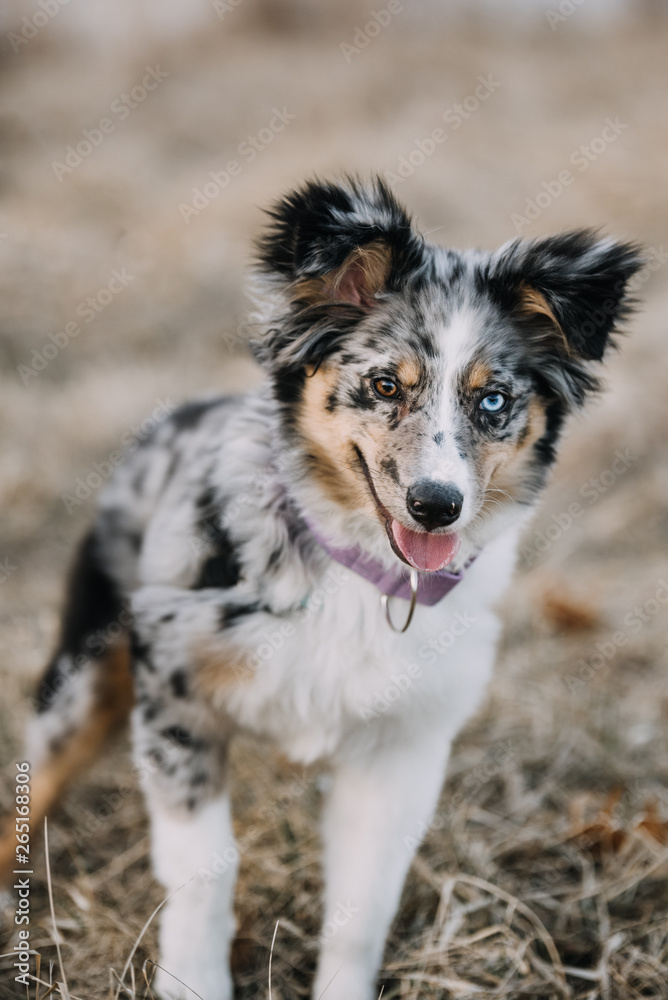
384	601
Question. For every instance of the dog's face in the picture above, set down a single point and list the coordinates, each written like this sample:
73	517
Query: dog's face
427	432
427	388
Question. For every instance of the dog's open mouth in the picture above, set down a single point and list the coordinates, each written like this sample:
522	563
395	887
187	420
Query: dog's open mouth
422	550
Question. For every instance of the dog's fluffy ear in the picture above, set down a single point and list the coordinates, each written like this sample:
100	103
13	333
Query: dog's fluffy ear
339	242
332	251
575	282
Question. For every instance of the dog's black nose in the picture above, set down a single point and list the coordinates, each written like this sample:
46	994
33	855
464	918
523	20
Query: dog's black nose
434	505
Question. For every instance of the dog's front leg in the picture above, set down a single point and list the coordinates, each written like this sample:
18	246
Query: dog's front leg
195	859
180	748
376	805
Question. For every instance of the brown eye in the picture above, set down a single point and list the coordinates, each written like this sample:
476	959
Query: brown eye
386	388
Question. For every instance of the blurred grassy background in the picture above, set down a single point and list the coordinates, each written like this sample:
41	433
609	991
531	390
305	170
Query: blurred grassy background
587	731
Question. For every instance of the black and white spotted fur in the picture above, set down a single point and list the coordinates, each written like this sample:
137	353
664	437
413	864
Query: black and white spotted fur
243	622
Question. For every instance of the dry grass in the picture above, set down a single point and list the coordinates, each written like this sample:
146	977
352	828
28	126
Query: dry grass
545	872
521	889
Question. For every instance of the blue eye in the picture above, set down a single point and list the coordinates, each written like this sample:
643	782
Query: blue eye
493	403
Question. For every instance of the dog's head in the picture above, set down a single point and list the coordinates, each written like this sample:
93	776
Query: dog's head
425	387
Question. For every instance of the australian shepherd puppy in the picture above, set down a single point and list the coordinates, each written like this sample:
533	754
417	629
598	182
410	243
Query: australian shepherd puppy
291	553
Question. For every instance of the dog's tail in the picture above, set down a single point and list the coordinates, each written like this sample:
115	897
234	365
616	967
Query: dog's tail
85	694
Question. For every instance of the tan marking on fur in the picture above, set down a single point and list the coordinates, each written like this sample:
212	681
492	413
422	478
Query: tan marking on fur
373	262
408	372
479	375
217	669
534	303
114	696
507	462
329	438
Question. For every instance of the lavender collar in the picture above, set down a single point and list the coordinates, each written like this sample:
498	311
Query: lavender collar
432	587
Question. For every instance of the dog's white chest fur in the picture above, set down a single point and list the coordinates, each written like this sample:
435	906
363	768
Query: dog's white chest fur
329	680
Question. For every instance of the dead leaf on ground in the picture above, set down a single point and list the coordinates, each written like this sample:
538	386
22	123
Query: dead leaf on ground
567	612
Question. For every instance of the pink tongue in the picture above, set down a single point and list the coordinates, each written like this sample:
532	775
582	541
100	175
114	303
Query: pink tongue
423	550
